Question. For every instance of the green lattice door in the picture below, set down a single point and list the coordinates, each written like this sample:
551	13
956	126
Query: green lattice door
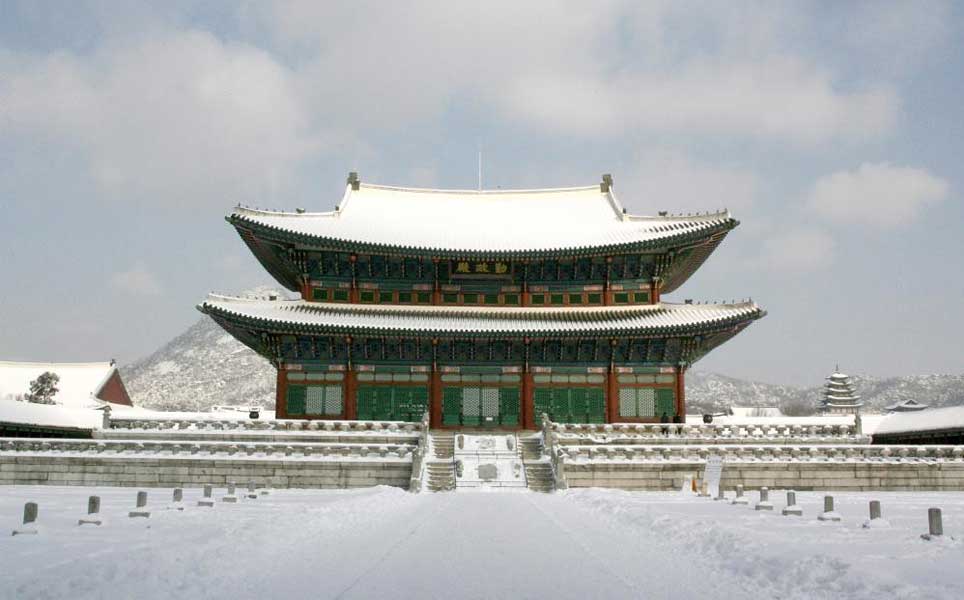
570	405
647	402
315	401
480	406
392	403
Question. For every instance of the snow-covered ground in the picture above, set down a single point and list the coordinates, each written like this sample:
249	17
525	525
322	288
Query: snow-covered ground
386	543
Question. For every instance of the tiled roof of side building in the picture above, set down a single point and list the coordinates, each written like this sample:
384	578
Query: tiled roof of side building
641	319
485	222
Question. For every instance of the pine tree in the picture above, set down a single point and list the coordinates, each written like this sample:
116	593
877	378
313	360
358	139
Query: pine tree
43	388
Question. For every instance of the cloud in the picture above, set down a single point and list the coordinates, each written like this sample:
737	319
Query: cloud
677	183
881	195
796	250
136	281
590	70
177	117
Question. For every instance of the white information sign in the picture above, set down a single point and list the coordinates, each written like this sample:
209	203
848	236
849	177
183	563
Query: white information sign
713	473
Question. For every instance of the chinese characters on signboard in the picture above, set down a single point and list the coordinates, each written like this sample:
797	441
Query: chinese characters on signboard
483	268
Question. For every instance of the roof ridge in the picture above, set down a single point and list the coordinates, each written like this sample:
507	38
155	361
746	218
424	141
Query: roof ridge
484	192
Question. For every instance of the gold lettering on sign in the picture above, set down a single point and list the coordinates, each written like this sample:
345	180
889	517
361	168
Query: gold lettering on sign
481	267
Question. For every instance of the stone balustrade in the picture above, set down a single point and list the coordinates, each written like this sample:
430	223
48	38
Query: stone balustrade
713	433
214	425
761	453
228	449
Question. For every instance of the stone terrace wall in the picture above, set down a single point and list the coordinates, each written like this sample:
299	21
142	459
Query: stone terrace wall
160	472
173	464
854	468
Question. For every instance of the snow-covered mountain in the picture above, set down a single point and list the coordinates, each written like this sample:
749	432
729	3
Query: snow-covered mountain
706	392
202	367
205	366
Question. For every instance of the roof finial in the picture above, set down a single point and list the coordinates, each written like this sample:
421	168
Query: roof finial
354	181
606	184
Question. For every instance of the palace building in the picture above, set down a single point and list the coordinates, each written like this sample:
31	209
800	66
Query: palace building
484	308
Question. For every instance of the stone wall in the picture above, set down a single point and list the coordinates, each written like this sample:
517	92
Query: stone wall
148	471
824	476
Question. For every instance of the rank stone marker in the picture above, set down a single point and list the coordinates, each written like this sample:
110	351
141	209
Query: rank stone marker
764	503
93	512
935	525
252	492
207	500
140	510
230	497
791	508
30	511
828	514
875	520
740	498
177	499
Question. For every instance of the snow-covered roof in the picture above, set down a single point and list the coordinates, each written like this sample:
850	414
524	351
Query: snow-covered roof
907	404
79	384
951	417
487	221
459	319
49	415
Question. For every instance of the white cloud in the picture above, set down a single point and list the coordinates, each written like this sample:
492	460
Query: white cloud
882	195
593	70
177	117
796	250
674	182
136	281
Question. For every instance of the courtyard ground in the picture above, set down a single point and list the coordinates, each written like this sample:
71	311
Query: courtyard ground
387	543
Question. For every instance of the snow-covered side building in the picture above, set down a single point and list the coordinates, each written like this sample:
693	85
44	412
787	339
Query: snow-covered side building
932	426
839	396
484	308
909	405
80	385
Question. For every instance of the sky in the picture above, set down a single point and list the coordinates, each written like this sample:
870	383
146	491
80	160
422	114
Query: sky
832	131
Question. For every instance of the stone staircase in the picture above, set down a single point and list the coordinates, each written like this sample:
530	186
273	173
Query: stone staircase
440	469
443	442
539	477
441	476
538	469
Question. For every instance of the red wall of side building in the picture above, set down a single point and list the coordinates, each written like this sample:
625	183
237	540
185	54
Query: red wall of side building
114	391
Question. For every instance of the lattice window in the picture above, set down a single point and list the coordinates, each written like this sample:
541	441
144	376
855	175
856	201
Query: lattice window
627	402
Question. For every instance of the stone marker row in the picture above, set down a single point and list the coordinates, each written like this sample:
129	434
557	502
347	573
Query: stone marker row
31	510
934	521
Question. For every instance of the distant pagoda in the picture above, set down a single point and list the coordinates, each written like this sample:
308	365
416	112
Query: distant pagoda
839	395
482	308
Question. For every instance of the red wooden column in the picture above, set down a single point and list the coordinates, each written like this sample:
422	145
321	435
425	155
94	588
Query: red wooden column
612	396
612	386
654	295
281	393
529	415
680	392
436	288
353	290
351	394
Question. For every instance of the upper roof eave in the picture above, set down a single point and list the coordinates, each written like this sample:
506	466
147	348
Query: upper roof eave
640	319
535	222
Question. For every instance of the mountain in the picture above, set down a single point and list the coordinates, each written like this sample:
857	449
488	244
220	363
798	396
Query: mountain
710	392
205	366
202	367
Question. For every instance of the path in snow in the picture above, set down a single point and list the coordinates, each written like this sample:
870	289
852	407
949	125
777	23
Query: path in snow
382	542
